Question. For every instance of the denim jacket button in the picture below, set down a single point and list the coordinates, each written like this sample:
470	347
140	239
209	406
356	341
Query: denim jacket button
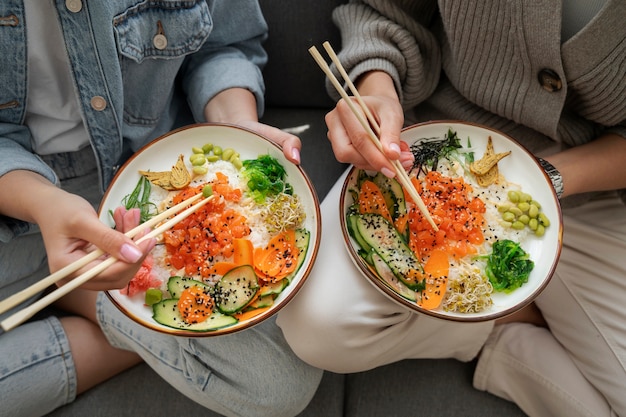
74	6
159	41
98	103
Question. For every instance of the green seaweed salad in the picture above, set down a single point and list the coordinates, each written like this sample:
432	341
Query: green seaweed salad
266	177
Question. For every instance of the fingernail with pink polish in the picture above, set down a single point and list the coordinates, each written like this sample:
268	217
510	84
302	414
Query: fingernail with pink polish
387	172
394	147
130	253
295	154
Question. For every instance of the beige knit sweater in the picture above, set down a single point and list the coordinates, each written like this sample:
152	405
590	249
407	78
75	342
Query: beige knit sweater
500	63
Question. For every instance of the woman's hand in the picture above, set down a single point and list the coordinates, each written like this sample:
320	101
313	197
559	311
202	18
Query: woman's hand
290	144
71	228
238	106
351	142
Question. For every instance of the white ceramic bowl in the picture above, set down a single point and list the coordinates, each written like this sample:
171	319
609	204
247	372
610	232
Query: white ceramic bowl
519	167
160	155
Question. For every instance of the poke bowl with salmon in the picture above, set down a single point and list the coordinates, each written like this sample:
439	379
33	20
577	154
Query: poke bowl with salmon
235	261
498	225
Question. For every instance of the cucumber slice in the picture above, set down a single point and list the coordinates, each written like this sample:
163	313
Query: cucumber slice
393	194
353	231
273	288
303	238
235	290
387	276
263	301
176	285
389	245
166	312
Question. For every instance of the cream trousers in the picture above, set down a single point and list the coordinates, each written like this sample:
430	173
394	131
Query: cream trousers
341	322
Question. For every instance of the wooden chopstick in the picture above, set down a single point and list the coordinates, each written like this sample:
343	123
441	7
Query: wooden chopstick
51	279
23	315
369	124
403	177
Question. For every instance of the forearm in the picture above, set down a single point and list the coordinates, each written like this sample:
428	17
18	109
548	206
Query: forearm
597	166
24	195
232	106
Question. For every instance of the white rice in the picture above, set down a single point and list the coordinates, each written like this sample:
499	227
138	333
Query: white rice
259	236
469	290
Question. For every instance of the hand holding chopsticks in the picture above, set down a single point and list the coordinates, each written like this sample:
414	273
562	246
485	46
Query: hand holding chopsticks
370	125
23	315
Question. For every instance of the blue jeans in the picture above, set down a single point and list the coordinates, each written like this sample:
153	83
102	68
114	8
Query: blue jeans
37	372
248	373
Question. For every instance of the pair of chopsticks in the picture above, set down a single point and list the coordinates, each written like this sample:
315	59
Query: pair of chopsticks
370	125
26	313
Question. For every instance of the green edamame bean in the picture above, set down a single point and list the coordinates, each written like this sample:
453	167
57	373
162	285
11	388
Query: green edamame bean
197	150
207	191
524	206
504	224
513	196
524	197
236	162
523	218
503	208
517	225
197	162
516	211
200	170
543	219
533	211
532	224
212	158
541	230
508	216
536	203
207	148
227	153
217	150
196	156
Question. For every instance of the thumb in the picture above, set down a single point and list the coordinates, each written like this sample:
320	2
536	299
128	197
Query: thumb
112	241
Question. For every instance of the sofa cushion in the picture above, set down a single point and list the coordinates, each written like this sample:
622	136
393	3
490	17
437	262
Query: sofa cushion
422	387
121	397
292	77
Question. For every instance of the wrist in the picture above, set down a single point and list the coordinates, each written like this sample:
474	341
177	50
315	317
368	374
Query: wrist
24	195
554	175
376	83
231	106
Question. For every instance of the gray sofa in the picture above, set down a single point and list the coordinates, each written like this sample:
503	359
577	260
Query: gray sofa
296	97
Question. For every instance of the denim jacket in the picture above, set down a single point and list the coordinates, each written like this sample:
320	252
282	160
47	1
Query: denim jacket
130	82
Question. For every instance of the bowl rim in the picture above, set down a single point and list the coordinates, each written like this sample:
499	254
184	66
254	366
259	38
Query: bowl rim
302	274
393	295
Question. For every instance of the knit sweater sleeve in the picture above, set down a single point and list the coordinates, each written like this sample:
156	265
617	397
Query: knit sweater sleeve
384	35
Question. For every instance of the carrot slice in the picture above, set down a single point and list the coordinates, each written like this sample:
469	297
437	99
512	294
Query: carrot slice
246	315
278	259
243	252
436	268
195	305
401	223
371	200
222	267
